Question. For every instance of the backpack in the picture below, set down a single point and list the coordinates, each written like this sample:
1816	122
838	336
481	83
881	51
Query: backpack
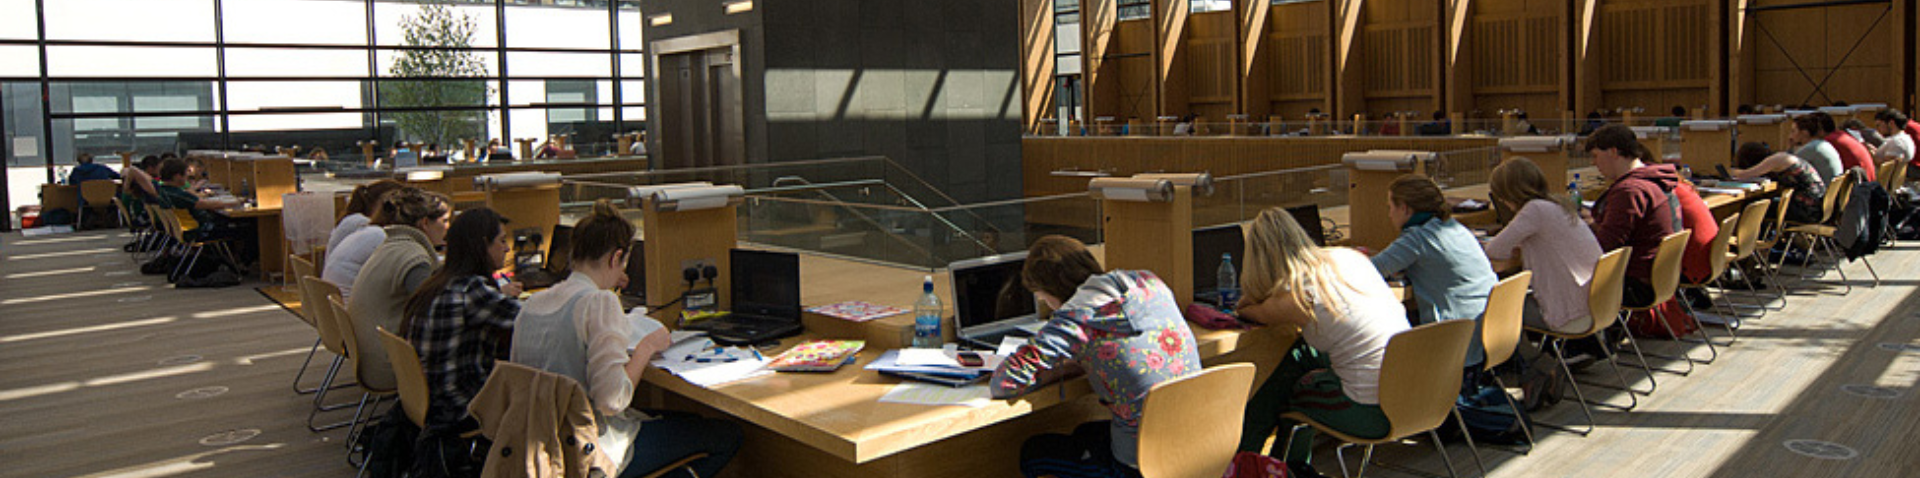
387	444
1249	464
1489	417
1641	323
1867	212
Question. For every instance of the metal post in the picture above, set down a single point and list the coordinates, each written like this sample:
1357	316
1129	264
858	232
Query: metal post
46	91
613	50
506	114
220	62
373	82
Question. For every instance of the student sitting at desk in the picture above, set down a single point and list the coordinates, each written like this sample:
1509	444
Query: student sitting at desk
398	266
1814	150
1899	145
1445	268
459	322
1123	327
174	195
1756	160
87	170
1852	153
1560	250
1345	313
138	186
1638	208
577	329
363	235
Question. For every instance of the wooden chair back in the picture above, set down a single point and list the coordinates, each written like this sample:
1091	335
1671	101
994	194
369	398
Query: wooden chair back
1189	426
1667	263
301	266
1893	175
1606	288
1837	192
98	193
1500	326
1717	253
323	319
1747	234
409	374
1420	375
308	301
343	325
1779	219
183	221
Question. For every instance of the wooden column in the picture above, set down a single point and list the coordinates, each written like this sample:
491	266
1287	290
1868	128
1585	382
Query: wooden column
1740	47
1346	91
1153	236
1584	75
1099	79
1457	66
676	239
1255	97
1169	57
1036	61
1717	72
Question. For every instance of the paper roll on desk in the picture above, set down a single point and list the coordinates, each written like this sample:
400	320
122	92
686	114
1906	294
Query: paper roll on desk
1535	144
1706	125
646	192
1384	160
515	180
1644	132
1837	110
1761	119
1202	183
697	198
422	173
1131	189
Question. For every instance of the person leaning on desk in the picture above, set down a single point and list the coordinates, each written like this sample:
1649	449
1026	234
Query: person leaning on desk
1123	327
576	329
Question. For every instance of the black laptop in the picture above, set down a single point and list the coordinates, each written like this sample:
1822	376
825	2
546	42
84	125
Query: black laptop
558	262
766	299
1208	245
1308	215
635	293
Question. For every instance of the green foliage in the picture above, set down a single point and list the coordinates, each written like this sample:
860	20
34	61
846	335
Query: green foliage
438	25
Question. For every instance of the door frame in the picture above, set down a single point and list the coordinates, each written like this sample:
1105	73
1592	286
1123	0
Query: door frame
728	39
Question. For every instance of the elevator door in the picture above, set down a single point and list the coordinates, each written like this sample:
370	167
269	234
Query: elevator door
700	110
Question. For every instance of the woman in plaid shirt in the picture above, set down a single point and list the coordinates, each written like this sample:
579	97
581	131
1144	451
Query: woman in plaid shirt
458	321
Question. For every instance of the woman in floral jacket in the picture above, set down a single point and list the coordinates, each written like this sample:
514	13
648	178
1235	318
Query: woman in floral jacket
1123	328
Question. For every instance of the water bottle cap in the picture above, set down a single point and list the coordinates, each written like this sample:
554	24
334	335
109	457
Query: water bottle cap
1226	255
927	284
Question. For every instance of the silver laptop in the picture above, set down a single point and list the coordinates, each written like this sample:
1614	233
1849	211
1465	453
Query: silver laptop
989	303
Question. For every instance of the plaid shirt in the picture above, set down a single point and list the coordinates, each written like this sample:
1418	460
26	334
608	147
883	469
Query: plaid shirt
465	329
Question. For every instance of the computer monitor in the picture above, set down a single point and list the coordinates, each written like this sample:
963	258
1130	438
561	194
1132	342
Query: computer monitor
1308	215
988	290
1208	245
636	270
766	283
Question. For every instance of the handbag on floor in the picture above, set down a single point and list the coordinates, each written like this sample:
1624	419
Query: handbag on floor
1248	464
1672	313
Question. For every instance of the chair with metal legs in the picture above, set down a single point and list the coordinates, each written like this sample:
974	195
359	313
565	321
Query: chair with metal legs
1746	241
1603	305
362	413
1666	281
330	338
1500	335
307	312
1717	260
1419	382
1835	200
1774	234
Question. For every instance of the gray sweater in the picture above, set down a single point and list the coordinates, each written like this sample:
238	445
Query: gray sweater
395	270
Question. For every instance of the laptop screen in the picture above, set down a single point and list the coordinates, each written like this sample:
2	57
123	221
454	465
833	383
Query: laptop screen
1308	215
1208	245
560	250
988	290
636	270
766	283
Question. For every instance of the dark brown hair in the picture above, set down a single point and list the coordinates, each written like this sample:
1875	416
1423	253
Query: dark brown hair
468	241
1620	138
408	206
600	233
1809	124
1421	194
1057	265
366	197
170	168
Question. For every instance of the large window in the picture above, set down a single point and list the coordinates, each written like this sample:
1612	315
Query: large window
173	75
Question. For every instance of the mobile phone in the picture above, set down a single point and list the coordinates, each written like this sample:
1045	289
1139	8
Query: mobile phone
971	359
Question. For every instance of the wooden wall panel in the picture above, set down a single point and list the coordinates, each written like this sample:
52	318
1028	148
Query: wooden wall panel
1818	39
1400	57
1212	86
1654	54
1133	60
1299	66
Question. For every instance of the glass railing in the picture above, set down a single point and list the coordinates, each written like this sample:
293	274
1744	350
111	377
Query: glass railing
1497	127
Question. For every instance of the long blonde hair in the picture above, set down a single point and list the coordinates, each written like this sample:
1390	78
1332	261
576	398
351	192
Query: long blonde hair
1281	259
1517	181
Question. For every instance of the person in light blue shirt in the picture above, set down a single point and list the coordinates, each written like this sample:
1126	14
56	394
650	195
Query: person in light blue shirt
1445	267
1817	152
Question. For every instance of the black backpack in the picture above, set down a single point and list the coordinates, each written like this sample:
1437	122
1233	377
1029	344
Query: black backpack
1490	417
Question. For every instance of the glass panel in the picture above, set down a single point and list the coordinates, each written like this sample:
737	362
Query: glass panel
436	63
302	122
318	22
633	65
19	61
288	62
633	92
130	61
262	95
532	64
449	25
631	36
1203	6
528	123
130	20
548	27
636	117
17	20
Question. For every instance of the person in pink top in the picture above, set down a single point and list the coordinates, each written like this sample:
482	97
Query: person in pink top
1852	153
1558	246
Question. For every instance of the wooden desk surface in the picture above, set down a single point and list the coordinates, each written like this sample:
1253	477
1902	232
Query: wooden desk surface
840	413
249	212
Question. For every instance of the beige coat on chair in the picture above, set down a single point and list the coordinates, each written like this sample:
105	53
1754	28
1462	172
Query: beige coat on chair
541	425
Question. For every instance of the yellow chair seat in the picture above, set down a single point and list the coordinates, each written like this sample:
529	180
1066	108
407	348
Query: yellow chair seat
1815	229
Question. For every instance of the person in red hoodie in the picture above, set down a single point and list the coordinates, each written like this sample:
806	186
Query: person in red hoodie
1852	153
1637	209
1697	263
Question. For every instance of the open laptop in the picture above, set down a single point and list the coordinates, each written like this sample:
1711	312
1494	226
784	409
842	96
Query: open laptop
635	293
989	303
1308	215
766	299
1208	244
556	266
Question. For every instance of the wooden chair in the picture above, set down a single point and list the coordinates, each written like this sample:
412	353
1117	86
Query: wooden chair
1836	198
1603	306
1667	263
1718	253
179	224
1500	334
1893	175
1774	234
96	195
328	328
343	325
1188	426
1822	234
1419	381
1746	240
301	269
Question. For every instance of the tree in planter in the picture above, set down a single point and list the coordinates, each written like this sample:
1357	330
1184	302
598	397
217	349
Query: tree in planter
438	25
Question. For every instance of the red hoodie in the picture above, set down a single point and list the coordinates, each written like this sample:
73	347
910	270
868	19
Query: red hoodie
1913	129
1852	153
1697	263
1634	212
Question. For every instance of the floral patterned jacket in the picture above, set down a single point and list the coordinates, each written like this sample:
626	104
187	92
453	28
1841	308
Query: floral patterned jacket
1126	330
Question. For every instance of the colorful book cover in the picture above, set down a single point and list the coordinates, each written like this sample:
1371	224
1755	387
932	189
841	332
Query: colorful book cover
817	356
856	311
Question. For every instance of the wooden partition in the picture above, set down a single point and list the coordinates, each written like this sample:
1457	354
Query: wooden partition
272	178
1547	152
675	240
528	207
1705	144
1769	129
1367	191
1153	236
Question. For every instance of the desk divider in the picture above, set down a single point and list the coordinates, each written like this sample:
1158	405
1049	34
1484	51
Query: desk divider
1367	194
528	207
273	178
1153	236
1769	129
674	238
1705	144
1547	152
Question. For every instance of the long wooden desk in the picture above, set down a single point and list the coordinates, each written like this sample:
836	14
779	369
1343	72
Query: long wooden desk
268	229
833	424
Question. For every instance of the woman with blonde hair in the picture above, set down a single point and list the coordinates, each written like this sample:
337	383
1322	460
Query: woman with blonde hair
1345	313
1560	248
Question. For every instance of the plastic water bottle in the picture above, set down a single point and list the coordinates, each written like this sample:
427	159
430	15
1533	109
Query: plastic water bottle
1573	189
1228	283
926	317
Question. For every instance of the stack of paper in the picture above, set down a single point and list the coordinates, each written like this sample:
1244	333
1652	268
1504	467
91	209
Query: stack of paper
697	360
935	365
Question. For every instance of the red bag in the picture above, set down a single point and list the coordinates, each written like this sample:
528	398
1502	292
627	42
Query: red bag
1248	464
1671	312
